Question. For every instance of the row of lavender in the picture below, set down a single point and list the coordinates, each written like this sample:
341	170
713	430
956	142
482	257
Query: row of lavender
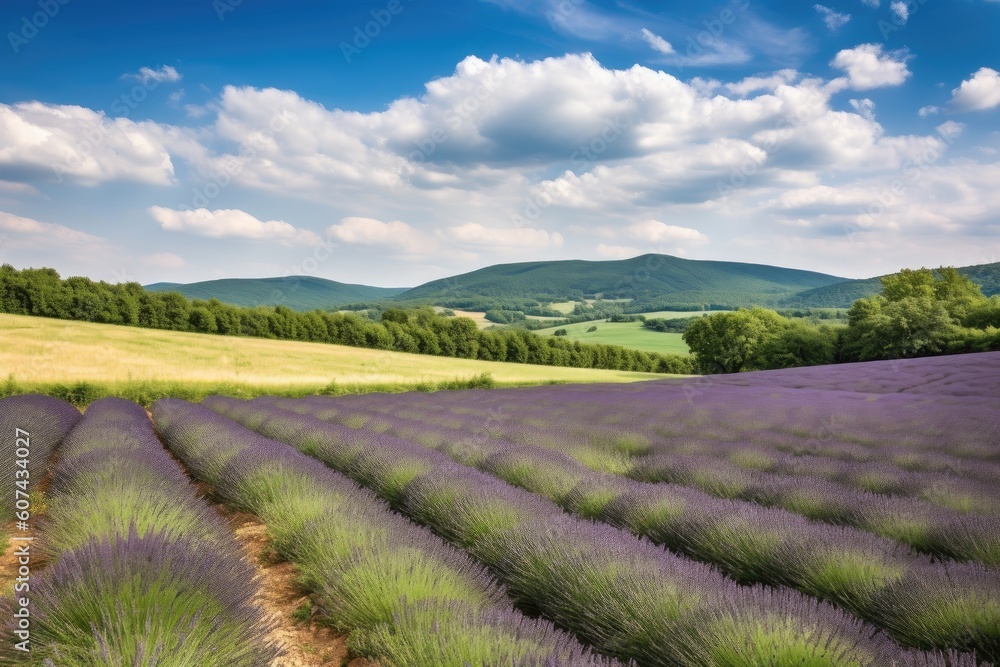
954	432
873	577
965	485
142	571
621	594
945	528
931	529
405	596
914	432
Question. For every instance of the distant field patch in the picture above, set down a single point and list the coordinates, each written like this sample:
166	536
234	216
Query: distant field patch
626	334
565	307
477	317
676	314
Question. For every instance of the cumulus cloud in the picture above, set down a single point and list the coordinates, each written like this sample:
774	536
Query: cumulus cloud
753	84
29	230
163	260
979	93
145	75
45	142
865	108
475	234
833	20
617	251
605	148
394	235
656	42
869	66
928	110
231	223
28	234
654	231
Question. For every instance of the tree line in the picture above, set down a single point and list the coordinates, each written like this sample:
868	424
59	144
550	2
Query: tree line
918	313
43	293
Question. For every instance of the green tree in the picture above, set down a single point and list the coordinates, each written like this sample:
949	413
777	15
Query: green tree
984	314
917	314
202	320
799	344
732	342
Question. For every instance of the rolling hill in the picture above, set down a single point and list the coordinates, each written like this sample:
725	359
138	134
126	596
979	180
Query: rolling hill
648	279
652	282
843	294
295	292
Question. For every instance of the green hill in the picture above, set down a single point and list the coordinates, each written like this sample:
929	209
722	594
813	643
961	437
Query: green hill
656	281
295	292
842	295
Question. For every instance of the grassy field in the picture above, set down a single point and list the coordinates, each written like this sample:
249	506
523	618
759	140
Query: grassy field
37	352
626	334
478	317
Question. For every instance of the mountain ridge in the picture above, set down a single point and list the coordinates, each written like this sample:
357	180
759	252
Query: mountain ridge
295	292
650	281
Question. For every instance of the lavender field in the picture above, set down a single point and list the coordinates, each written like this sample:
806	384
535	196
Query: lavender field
828	516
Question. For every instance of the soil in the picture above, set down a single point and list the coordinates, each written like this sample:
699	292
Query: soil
305	644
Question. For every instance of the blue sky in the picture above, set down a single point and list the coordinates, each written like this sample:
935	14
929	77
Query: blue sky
398	141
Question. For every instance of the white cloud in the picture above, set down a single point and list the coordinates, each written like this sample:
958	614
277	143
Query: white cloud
753	84
871	3
867	66
979	93
394	235
657	43
45	142
865	108
928	110
15	188
901	10
475	234
145	75
950	129
654	231
617	251
164	260
27	234
833	20
231	223
605	148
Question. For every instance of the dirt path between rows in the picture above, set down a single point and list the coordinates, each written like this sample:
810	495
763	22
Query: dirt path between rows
305	645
